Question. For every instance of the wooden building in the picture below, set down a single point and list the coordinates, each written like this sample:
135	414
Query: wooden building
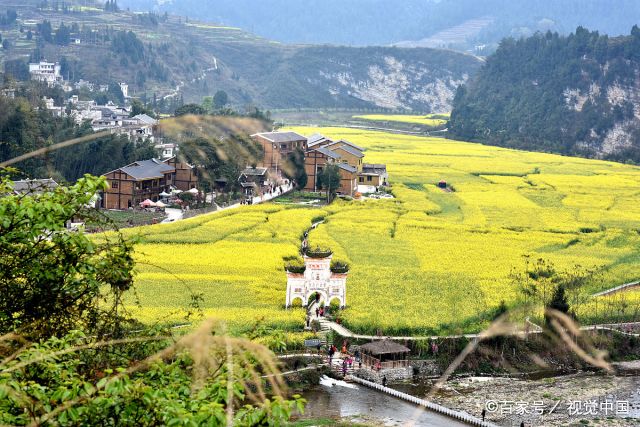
130	185
317	158
185	174
276	147
253	180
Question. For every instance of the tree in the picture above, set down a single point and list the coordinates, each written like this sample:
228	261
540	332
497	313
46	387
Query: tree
190	109
559	302
63	35
220	99
17	68
116	92
45	31
207	104
293	168
137	107
53	280
329	179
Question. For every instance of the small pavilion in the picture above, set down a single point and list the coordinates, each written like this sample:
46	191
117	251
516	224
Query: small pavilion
385	354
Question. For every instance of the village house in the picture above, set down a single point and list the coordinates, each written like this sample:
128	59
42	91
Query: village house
185	177
373	174
47	72
276	147
346	156
130	185
253	180
320	151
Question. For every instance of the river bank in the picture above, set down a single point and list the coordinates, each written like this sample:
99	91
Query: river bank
576	399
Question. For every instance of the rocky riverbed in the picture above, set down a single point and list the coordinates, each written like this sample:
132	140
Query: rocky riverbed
578	399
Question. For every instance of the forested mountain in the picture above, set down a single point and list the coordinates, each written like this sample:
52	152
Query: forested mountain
578	94
459	24
167	59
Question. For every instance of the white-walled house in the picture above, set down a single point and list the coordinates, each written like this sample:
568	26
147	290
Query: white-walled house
43	71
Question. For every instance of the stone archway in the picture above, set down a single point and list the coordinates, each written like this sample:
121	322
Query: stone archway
323	297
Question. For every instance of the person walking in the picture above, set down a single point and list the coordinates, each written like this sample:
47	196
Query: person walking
344	368
384	381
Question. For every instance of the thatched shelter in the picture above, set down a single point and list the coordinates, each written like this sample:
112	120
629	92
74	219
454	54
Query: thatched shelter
384	354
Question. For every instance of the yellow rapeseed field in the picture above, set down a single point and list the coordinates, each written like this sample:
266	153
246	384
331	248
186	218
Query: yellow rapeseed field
427	120
428	261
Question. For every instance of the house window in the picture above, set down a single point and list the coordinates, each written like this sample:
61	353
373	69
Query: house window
369	178
283	146
361	179
114	184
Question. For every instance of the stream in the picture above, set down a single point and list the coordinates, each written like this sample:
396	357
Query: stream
343	402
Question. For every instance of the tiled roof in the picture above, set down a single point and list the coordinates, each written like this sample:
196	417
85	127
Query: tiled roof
357	147
146	169
377	169
327	152
279	137
34	185
254	171
346	167
349	149
146	119
316	139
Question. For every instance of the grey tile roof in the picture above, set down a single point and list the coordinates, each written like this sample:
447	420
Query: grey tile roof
147	169
346	167
144	118
34	185
357	147
327	152
254	171
317	139
371	168
279	137
347	148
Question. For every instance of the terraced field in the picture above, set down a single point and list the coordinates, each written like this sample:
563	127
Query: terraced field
429	261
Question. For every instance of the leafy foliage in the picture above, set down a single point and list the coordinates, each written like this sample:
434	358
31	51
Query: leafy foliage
329	179
52	279
293	168
59	382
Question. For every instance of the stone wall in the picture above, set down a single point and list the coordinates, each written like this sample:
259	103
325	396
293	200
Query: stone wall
425	368
393	375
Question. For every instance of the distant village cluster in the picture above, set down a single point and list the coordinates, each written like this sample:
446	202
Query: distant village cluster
110	116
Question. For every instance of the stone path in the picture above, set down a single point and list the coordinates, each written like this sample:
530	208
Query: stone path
326	324
617	289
